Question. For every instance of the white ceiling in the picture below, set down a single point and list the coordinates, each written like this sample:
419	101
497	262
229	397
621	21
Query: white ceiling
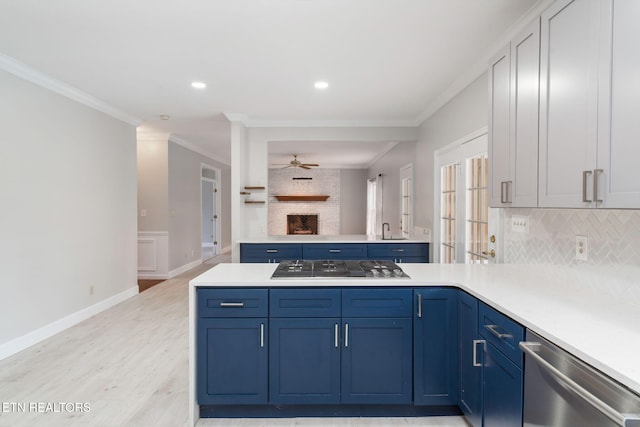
387	61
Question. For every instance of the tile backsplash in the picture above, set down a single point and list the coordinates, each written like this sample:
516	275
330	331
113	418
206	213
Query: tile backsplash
613	236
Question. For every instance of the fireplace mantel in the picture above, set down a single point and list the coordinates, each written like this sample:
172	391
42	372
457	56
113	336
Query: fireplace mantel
305	198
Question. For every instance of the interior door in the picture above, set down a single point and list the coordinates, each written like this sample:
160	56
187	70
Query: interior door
466	224
209	218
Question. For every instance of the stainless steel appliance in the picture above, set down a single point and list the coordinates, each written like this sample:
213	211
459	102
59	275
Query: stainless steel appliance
307	269
560	390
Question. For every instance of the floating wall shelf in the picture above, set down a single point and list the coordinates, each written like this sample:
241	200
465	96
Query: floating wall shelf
301	198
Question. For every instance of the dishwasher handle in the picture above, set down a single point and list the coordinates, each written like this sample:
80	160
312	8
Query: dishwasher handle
623	420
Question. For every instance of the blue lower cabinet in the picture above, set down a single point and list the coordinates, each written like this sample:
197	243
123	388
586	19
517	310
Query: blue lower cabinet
435	329
377	361
304	361
269	252
471	359
232	361
502	390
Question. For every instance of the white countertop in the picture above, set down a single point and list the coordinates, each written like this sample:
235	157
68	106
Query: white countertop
316	238
592	312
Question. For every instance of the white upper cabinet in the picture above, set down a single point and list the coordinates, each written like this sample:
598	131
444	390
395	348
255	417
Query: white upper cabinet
573	85
619	143
513	121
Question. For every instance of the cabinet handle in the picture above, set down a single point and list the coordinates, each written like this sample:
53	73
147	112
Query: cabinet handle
585	175
475	351
232	304
419	306
272	251
346	335
596	174
504	192
335	251
397	250
261	335
336	336
494	331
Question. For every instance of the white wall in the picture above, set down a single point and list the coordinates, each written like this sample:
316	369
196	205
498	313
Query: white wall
68	223
184	213
389	166
353	201
153	182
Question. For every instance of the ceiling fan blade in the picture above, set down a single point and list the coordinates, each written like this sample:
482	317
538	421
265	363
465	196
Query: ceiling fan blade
304	167
288	166
311	164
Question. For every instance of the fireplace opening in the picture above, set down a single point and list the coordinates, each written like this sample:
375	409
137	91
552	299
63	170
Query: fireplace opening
302	224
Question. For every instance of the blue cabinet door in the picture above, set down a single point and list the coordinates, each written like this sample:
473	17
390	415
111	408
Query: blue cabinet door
471	359
304	361
435	329
232	361
502	390
377	361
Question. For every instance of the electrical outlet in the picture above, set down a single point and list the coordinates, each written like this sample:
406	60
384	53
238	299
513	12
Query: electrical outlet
520	224
91	290
582	248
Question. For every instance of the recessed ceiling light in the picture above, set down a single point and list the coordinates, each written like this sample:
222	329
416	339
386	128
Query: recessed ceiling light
321	85
198	85
165	117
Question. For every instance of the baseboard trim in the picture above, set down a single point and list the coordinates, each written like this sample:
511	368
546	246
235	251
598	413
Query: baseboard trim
186	267
18	344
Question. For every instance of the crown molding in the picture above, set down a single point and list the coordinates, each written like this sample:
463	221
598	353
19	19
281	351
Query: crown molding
23	71
259	123
190	146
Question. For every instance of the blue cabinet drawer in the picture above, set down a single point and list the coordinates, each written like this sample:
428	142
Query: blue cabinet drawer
305	303
376	302
264	252
501	331
233	302
334	251
398	250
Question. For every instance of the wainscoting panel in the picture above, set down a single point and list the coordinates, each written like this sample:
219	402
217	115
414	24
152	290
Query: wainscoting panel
153	255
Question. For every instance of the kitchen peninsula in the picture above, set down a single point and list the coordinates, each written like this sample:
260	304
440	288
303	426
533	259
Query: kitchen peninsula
589	311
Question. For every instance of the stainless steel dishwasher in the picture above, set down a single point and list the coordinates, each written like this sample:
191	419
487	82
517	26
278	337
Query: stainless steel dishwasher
562	391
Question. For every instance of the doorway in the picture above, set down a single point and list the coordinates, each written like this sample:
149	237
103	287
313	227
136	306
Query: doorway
466	230
210	215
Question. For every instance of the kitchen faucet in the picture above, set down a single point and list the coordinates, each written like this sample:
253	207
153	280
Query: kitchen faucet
388	228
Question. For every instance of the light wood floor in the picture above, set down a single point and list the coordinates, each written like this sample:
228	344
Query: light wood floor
128	366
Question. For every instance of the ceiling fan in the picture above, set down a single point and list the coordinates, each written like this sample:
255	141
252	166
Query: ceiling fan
295	163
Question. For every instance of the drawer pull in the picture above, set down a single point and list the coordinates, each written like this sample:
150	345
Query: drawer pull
493	330
335	251
397	250
272	251
232	304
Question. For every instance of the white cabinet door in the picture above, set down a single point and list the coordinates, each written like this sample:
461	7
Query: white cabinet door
619	148
568	103
513	122
525	76
499	101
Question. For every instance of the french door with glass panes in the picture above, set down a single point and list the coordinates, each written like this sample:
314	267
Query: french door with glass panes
462	234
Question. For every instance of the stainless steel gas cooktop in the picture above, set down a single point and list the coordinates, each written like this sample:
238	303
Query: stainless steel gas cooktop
339	269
